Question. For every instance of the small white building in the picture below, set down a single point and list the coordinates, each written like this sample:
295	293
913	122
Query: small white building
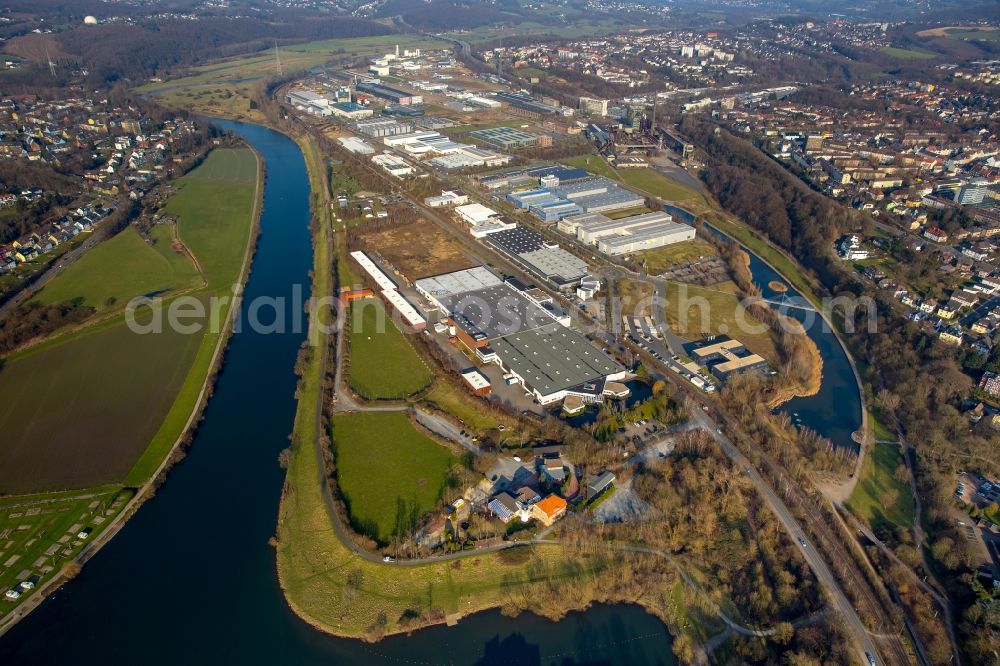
475	213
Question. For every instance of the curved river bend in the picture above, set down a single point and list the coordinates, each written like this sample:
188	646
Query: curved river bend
191	578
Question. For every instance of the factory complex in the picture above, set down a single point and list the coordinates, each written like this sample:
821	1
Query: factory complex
523	332
554	200
628	234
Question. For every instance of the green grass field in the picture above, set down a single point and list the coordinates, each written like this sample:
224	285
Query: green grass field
383	363
388	471
658	260
968	35
217	233
593	164
694	312
658	185
466	407
880	498
39	534
121	268
907	54
103	404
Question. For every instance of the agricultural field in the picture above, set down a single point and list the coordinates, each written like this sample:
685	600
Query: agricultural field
694	312
881	499
79	412
908	54
40	534
419	250
389	472
70	410
383	364
123	267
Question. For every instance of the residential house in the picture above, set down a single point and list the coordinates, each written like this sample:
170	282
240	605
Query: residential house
549	509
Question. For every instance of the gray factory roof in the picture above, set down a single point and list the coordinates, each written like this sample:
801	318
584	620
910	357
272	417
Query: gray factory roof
598	225
450	284
495	311
553	358
654	230
555	262
612	199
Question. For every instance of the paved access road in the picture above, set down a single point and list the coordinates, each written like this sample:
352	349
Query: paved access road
862	641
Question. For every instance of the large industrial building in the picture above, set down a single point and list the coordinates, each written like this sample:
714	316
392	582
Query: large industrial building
509	138
523	104
391	94
587	195
627	234
546	260
501	324
382	127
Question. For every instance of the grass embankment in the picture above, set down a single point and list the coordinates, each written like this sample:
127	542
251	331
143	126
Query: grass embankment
655	183
782	263
880	498
383	363
475	414
389	473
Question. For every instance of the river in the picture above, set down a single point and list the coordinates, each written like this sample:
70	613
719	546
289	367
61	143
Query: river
192	579
834	411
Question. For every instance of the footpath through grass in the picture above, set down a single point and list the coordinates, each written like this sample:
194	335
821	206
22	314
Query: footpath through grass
390	473
880	498
383	363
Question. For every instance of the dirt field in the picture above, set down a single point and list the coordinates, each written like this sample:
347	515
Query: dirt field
944	30
419	250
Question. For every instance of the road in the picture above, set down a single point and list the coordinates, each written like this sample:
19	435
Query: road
859	634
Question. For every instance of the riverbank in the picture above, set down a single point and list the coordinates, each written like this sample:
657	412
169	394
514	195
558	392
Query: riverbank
163	459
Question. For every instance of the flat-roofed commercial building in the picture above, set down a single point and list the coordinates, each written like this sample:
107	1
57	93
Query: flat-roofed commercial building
724	356
546	260
355	145
391	94
627	234
523	104
384	282
505	138
382	127
394	165
474	213
501	323
351	110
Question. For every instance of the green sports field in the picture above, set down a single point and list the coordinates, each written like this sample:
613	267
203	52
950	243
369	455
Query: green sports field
383	363
388	472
